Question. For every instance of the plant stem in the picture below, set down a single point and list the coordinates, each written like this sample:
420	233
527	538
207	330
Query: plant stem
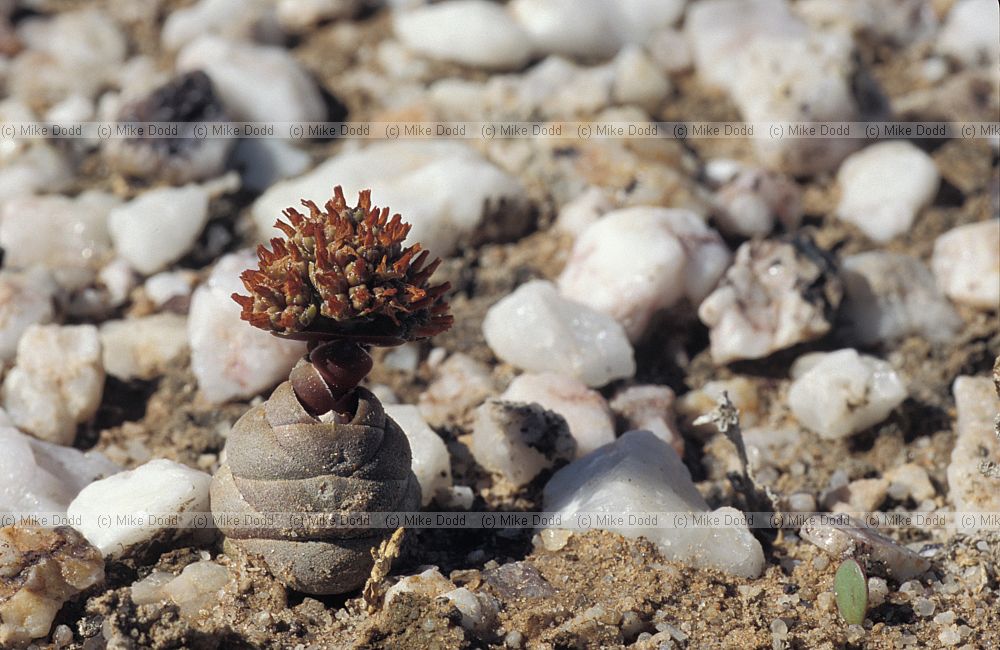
327	382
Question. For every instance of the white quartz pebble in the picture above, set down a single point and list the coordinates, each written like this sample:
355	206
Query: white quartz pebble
775	70
70	53
431	462
638	80
159	226
775	294
460	384
971	33
585	410
593	29
651	408
299	16
255	82
519	440
229	358
117	278
143	347
429	583
233	19
639	473
720	31
418	179
891	295
38	168
573	28
479	610
25	299
884	186
536	329
197	587
966	262
75	241
149	590
633	262
579	213
640	20
42	477
57	381
750	202
472	32
843	392
975	443
806	79
168	286
910	480
154	493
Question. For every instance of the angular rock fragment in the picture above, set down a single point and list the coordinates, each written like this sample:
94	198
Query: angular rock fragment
639	473
585	410
878	553
194	590
76	243
25	299
536	329
228	359
884	186
892	295
631	263
775	295
159	226
651	408
39	476
461	383
40	569
519	440
431	462
842	393
143	347
977	445
144	504
57	382
188	98
966	262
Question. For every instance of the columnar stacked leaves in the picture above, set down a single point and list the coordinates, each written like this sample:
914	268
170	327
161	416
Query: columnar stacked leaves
343	271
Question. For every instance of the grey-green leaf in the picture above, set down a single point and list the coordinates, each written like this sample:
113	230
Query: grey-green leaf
851	588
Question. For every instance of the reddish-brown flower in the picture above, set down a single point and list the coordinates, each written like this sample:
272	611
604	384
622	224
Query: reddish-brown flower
342	272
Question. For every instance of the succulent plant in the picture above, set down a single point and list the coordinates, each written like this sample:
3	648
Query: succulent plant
340	279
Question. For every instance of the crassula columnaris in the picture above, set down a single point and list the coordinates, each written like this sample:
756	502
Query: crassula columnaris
341	279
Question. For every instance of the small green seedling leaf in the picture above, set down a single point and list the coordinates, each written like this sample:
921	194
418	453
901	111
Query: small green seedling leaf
851	589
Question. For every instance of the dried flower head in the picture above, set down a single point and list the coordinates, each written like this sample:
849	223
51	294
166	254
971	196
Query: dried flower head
342	272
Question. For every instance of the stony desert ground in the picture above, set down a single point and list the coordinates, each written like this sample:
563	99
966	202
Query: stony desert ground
843	292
